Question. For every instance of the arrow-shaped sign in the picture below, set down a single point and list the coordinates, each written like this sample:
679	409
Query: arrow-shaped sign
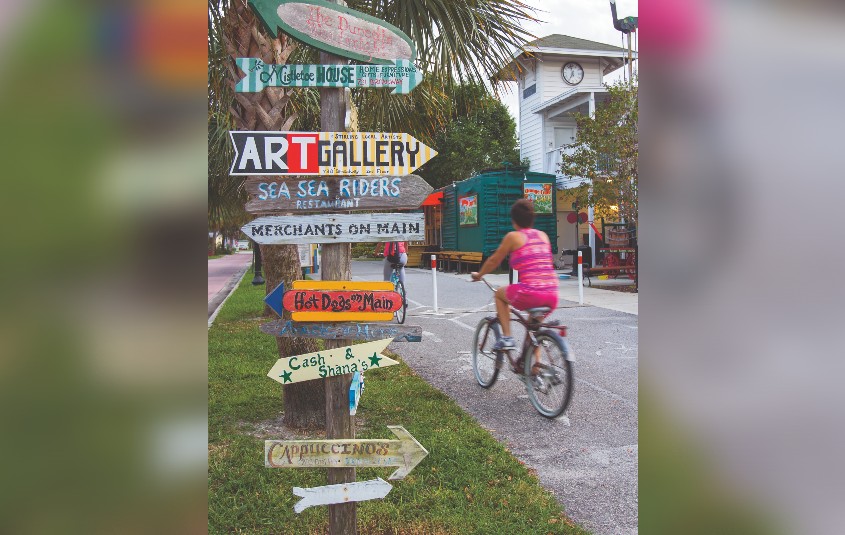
331	362
336	228
358	491
274	299
368	154
403	76
336	29
336	300
406	453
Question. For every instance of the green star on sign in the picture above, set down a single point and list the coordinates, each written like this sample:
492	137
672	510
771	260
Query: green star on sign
374	359
286	376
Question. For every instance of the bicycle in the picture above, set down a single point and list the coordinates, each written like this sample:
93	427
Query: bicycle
399	288
541	374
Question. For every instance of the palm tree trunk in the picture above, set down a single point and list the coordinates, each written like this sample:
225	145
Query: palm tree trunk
305	405
267	110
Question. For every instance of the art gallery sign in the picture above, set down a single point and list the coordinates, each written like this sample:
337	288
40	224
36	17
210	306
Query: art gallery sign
327	153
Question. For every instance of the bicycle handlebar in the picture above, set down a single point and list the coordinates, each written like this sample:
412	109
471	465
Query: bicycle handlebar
492	288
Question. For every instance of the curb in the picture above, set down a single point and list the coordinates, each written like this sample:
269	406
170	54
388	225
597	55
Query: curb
220	297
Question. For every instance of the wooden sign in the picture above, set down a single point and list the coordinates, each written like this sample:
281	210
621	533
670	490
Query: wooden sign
336	301
335	29
403	76
333	194
405	453
331	362
343	331
336	228
356	388
358	491
327	153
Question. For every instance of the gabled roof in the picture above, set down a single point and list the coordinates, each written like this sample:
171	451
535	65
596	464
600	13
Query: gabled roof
563	45
557	40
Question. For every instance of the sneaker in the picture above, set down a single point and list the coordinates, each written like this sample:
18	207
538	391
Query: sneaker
540	384
504	343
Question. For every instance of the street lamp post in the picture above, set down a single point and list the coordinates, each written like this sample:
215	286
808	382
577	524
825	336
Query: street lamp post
258	279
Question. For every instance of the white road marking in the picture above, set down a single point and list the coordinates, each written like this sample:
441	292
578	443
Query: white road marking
434	337
607	392
622	347
632	327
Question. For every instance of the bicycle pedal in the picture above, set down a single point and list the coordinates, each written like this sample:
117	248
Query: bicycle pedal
540	385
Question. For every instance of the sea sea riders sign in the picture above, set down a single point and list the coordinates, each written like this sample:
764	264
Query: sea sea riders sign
331	194
327	153
336	29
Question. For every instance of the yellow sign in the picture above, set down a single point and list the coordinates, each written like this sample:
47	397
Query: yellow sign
331	362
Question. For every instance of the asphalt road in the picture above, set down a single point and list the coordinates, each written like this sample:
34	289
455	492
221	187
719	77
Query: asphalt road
588	457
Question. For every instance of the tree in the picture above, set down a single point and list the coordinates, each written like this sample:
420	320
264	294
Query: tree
478	133
606	153
456	41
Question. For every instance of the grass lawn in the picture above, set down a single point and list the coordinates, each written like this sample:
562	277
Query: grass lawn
214	256
469	483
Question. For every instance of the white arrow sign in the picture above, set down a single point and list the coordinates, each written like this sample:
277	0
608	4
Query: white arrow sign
360	491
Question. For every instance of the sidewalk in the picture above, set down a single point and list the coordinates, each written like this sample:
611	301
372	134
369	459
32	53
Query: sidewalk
223	275
568	290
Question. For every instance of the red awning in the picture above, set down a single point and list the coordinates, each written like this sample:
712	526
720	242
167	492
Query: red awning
434	199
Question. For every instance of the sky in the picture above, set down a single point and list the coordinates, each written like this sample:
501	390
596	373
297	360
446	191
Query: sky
587	19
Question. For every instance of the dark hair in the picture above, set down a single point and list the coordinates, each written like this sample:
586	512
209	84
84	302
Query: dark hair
522	213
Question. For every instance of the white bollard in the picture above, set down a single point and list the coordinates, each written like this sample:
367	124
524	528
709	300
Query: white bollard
434	279
580	279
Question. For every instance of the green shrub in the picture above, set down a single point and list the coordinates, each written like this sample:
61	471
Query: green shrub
364	250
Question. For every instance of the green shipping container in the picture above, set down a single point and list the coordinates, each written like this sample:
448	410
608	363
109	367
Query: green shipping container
476	211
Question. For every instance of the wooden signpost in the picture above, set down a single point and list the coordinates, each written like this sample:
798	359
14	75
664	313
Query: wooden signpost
375	489
331	363
403	76
335	194
336	228
327	153
343	331
406	453
335	29
336	301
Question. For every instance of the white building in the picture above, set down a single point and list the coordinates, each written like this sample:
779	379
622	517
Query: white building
558	76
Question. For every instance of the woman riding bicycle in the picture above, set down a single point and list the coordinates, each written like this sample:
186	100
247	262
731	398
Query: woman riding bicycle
394	253
531	255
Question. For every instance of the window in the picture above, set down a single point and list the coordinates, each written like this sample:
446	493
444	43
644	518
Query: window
528	91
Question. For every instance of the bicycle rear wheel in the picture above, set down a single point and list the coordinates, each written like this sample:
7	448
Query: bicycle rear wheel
550	389
399	287
485	362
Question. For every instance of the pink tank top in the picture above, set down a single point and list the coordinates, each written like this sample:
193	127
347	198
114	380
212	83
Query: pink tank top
534	262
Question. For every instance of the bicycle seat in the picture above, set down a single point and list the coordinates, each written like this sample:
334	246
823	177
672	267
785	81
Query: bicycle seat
539	311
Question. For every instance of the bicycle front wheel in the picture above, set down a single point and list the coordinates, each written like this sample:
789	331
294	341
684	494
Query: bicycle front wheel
399	287
486	362
549	375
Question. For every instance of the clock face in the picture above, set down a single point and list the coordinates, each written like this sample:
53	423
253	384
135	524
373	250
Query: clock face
572	73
